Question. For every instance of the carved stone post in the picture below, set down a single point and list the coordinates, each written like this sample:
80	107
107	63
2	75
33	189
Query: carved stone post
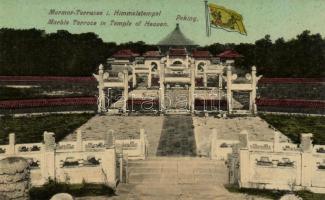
192	89
126	89
134	77
149	76
205	78
306	142
12	143
253	93
101	93
307	159
229	92
162	88
49	141
48	164
244	167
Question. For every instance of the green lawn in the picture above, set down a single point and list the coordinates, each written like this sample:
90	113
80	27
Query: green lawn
293	125
30	129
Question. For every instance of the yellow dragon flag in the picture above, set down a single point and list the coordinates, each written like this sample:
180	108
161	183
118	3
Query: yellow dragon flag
229	20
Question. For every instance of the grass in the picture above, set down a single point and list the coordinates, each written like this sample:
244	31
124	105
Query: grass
30	129
270	194
275	194
293	125
77	190
47	90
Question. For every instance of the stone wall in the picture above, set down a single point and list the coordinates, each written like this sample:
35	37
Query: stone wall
281	166
93	161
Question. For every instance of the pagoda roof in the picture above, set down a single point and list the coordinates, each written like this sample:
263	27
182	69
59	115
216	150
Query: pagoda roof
201	54
125	53
230	54
176	38
177	52
152	54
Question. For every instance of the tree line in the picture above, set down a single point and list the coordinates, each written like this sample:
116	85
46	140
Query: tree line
35	52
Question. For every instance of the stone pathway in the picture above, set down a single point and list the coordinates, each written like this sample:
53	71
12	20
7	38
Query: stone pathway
177	137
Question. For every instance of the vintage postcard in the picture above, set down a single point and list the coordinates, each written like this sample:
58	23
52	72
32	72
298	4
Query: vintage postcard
162	99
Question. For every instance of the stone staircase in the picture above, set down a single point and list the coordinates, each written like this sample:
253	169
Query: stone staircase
172	178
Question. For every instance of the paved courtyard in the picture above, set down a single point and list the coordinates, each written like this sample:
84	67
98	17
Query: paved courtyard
174	134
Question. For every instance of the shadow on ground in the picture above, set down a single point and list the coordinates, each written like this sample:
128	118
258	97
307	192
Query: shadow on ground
177	137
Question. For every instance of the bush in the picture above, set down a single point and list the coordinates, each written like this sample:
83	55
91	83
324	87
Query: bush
30	129
77	190
293	125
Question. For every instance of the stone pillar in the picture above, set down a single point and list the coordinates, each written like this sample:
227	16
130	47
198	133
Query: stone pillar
244	168
101	93
126	89
229	92
149	76
48	162
12	143
167	61
109	167
252	105
307	161
192	89
49	141
306	144
109	139
79	141
220	81
134	77
205	78
276	142
162	88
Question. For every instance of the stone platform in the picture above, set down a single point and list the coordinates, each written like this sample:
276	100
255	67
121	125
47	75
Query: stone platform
166	132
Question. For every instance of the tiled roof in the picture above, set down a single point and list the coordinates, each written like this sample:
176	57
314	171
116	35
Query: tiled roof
201	54
125	53
176	38
229	54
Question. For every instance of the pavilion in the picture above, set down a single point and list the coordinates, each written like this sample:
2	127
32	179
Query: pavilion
177	79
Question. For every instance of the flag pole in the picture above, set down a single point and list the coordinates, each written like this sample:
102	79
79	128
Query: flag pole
206	17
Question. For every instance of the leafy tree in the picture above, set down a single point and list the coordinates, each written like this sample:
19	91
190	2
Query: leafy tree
34	52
